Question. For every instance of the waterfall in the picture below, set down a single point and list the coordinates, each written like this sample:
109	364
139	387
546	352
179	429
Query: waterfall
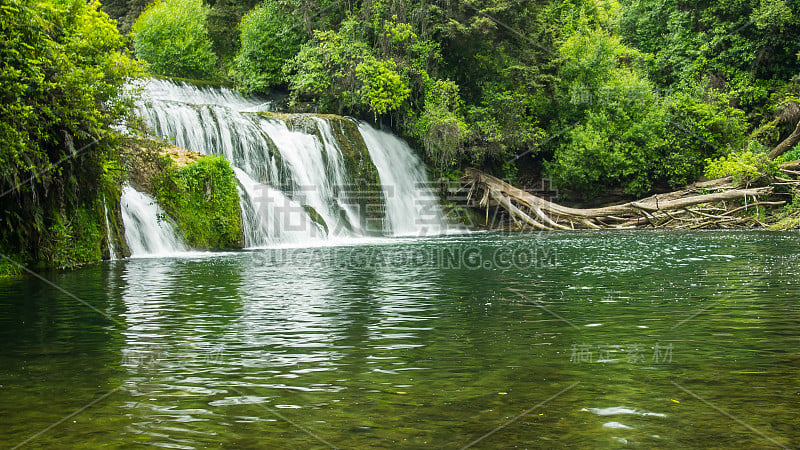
301	177
112	251
147	230
412	208
317	173
269	217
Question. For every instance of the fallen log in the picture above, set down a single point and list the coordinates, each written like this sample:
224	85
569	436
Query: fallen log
529	211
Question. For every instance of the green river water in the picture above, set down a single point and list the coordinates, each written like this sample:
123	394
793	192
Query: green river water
577	340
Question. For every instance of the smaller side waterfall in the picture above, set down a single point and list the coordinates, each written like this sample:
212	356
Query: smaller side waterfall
412	208
147	230
112	251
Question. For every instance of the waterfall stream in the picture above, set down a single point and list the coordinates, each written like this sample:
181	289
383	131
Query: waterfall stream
112	250
147	230
302	177
412	208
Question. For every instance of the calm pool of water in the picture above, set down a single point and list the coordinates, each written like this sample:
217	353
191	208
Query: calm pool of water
601	340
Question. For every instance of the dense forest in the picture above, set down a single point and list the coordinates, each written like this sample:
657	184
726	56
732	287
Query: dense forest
597	95
602	97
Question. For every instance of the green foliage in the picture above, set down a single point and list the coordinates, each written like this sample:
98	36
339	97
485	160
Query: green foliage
63	69
614	147
7	268
125	12
788	218
203	200
741	47
324	70
791	155
787	223
616	130
703	125
171	37
746	167
440	125
502	124
383	89
500	55
269	37
73	241
223	30
626	131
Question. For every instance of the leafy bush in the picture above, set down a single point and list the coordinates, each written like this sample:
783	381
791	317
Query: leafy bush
383	89
738	47
269	37
615	136
440	126
619	147
324	69
73	241
746	167
791	155
171	37
703	125
502	124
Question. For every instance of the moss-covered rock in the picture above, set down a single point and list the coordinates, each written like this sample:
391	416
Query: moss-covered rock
143	160
202	198
316	218
303	123
198	192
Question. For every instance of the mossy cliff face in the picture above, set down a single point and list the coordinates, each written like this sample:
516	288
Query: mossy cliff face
70	234
360	167
198	192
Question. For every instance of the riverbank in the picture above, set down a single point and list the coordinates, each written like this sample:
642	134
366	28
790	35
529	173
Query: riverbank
722	203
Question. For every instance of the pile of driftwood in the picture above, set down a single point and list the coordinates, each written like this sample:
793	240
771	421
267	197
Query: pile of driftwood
710	204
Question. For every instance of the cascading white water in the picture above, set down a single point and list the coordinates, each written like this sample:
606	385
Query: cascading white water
269	217
317	173
212	121
293	184
412	208
146	231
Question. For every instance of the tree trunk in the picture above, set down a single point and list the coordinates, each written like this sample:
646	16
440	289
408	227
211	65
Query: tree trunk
787	143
